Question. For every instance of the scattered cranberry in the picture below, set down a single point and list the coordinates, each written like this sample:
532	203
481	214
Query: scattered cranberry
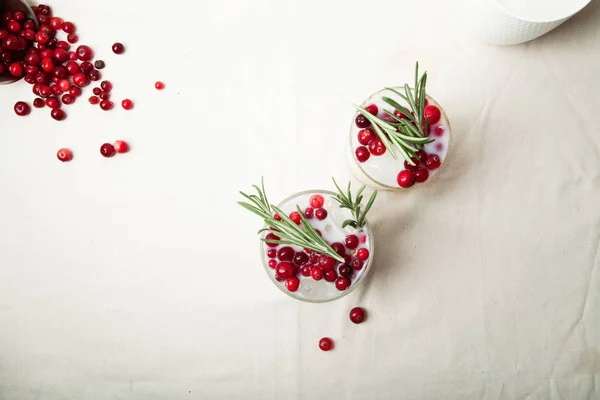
309	212
15	69
94	75
365	136
39	103
14	26
362	154
60	55
127	104
345	271
316	201
86	67
285	269
68	27
351	241
159	85
361	121
72	56
22	109
108	150
412	167
269	236
58	114
422	155
326	263
72	38
300	258
433	161
64	155
292	284
53	102
305	270
326	344
118	48
339	248
321	214
376	147
362	254
357	315
285	253
47	64
121	146
80	79
432	113
106	85
106	105
271	253
357	265
331	275
64	85
421	175
272	263
94	100
84	53
406	178
99	64
440	130
295	216
372	109
342	283
317	273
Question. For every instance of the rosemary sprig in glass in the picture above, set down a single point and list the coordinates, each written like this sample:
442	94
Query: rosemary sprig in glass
355	205
303	235
406	135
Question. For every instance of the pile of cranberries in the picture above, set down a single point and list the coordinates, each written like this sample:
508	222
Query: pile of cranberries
291	265
32	50
357	315
372	145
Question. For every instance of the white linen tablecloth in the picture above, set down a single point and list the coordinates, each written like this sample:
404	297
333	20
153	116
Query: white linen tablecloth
138	277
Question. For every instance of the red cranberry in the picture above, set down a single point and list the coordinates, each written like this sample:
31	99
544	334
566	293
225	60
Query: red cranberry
285	253
53	102
72	68
29	79
327	263
269	236
39	103
44	10
365	136
440	130
339	248
29	25
33	59
84	53
276	216
351	241
68	99
108	150
412	167
285	269
292	284
118	48
72	56
362	154
159	85
86	67
14	26
272	263
61	55
271	253
68	27
345	270
104	95
295	216
362	254
376	147
421	175
300	258
372	109
47	64
99	64
314	258
361	121
321	213
326	344
75	91
318	232
342	283
41	37
60	72
106	85
357	265
357	315
422	155
19	16
15	69
58	114
94	75
305	271
316	201
97	91
309	212
64	155
47	53
121	146
32	70
433	161
22	109
94	100
331	276
317	273
45	91
80	79
127	104
72	38
406	178
63	45
56	23
28	34
433	113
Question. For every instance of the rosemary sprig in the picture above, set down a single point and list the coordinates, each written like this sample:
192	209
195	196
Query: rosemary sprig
303	235
355	205
403	135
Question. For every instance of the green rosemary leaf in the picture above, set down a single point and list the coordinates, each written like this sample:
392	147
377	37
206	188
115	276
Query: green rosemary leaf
422	94
385	140
398	107
251	208
349	222
373	119
402	96
410	97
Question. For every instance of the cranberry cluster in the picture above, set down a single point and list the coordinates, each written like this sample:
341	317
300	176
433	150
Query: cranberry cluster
31	50
291	265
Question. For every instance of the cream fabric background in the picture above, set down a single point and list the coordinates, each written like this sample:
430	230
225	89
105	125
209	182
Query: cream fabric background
138	277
